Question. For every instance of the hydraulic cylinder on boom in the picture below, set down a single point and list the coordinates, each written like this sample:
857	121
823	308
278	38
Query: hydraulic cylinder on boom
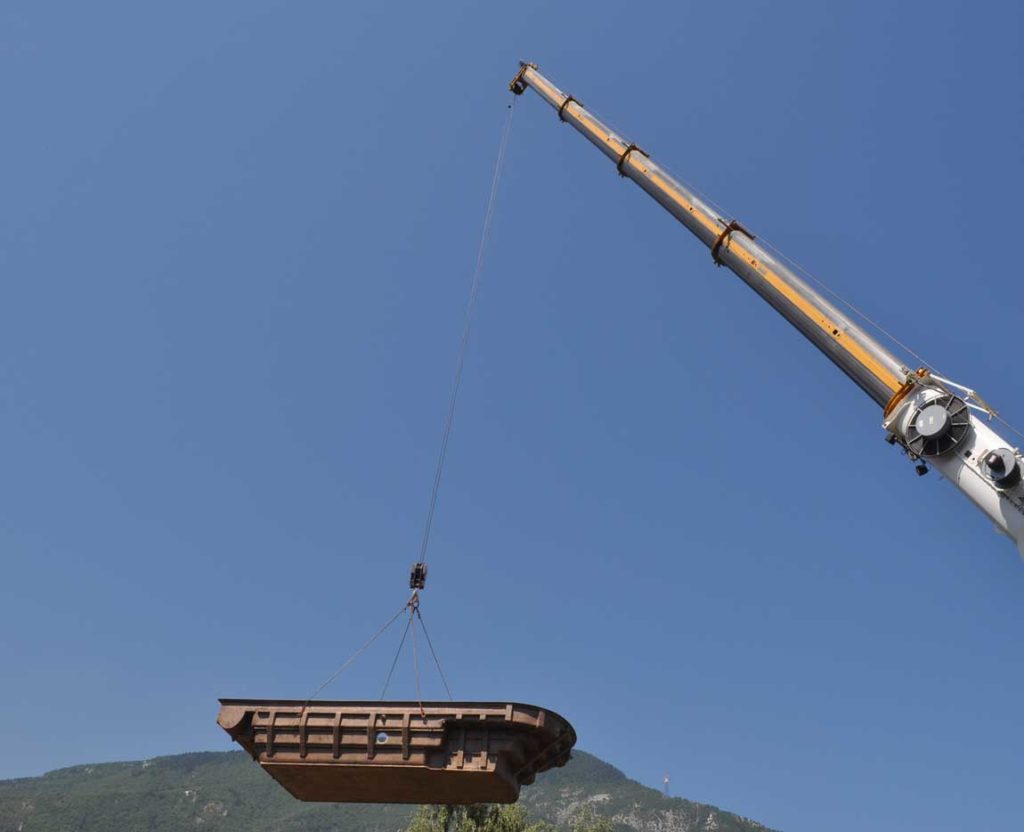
936	421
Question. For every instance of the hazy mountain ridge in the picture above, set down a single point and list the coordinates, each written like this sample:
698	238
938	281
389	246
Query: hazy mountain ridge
588	781
227	792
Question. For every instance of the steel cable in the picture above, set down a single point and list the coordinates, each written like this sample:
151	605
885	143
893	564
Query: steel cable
356	655
416	666
467	328
433	653
398	653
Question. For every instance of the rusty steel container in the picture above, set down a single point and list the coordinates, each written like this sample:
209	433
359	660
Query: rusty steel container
399	752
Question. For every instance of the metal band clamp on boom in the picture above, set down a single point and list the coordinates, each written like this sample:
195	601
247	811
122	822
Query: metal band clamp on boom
732	225
625	155
568	100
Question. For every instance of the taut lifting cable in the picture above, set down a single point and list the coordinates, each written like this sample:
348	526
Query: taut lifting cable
416	666
414	616
358	653
398	653
474	290
419	569
433	653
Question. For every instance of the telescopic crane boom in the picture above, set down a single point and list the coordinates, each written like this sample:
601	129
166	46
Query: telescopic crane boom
934	419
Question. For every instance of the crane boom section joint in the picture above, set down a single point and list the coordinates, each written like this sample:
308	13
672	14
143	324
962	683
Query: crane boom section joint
732	225
568	100
625	155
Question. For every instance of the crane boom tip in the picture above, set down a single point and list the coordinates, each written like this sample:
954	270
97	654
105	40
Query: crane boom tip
518	85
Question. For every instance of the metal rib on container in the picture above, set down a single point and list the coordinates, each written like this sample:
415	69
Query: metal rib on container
394	752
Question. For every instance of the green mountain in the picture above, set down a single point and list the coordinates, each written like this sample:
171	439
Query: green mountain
228	792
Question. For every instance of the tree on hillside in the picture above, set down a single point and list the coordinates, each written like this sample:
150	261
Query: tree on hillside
587	821
483	817
491	818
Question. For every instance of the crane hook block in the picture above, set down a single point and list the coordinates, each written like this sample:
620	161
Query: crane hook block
418	576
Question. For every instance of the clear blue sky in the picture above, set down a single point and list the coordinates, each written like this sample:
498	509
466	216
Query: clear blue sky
236	244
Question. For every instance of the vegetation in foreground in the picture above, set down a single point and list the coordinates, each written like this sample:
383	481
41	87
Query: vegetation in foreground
491	818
